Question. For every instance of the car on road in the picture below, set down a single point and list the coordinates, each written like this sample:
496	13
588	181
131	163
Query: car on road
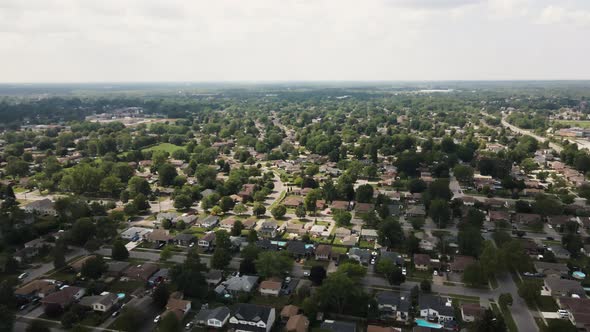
189	325
115	314
23	275
306	273
550	238
435	273
404	271
157	319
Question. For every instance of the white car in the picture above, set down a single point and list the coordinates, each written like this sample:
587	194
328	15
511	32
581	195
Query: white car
306	273
157	319
373	261
23	276
189	325
563	313
404	271
435	273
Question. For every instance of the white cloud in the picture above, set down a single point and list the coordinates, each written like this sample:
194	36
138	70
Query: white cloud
200	40
561	15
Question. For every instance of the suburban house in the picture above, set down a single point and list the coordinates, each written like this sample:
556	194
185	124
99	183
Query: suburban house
528	219
35	289
252	318
135	233
297	323
158	236
289	311
422	262
270	287
323	252
184	239
471	311
360	255
368	234
341	232
393	305
63	298
551	269
141	272
214	277
207	241
237	284
376	328
338	326
268	229
499	216
247	191
100	303
560	252
579	311
364	207
556	286
215	318
208	222
459	263
177	306
435	308
299	248
416	211
43	207
115	268
228	223
340	205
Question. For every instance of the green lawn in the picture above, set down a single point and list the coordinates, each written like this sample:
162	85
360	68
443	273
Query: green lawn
164	147
574	123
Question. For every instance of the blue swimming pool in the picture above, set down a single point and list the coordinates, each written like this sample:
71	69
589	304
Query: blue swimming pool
579	275
425	323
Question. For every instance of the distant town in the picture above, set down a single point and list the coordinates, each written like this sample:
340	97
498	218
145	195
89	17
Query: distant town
377	208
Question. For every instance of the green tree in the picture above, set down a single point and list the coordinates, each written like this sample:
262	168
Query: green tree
364	193
119	251
258	209
474	275
37	326
278	211
463	173
317	274
425	286
440	212
237	228
342	218
189	276
390	233
166	253
161	295
169	323
505	300
183	202
273	264
489	322
94	267
240	209
470	241
166	174
59	255
300	212
112	185
530	291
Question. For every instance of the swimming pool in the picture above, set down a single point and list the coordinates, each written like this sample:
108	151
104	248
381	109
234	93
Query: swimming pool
579	275
425	323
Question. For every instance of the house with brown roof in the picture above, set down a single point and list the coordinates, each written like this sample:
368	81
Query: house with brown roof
421	262
141	272
323	252
376	328
471	311
364	207
293	201
499	216
288	312
36	288
579	311
63	298
158	236
207	241
459	263
270	287
563	287
228	223
177	306
528	218
340	205
247	191
342	232
297	323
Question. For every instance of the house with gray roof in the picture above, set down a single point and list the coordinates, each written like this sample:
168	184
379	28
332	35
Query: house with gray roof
563	287
338	326
44	207
216	318
435	308
360	255
237	284
102	303
208	221
252	318
393	305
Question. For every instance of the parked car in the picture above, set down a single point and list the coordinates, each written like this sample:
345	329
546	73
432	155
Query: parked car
189	325
23	276
157	319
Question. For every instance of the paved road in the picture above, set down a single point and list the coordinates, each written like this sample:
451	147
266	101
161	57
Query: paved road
521	131
37	272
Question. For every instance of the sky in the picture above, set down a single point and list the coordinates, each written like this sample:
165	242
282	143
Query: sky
293	40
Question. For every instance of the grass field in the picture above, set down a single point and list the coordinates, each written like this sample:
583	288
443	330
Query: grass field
574	123
164	147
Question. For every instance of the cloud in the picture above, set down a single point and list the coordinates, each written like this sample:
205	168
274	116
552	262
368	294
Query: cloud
434	4
561	15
